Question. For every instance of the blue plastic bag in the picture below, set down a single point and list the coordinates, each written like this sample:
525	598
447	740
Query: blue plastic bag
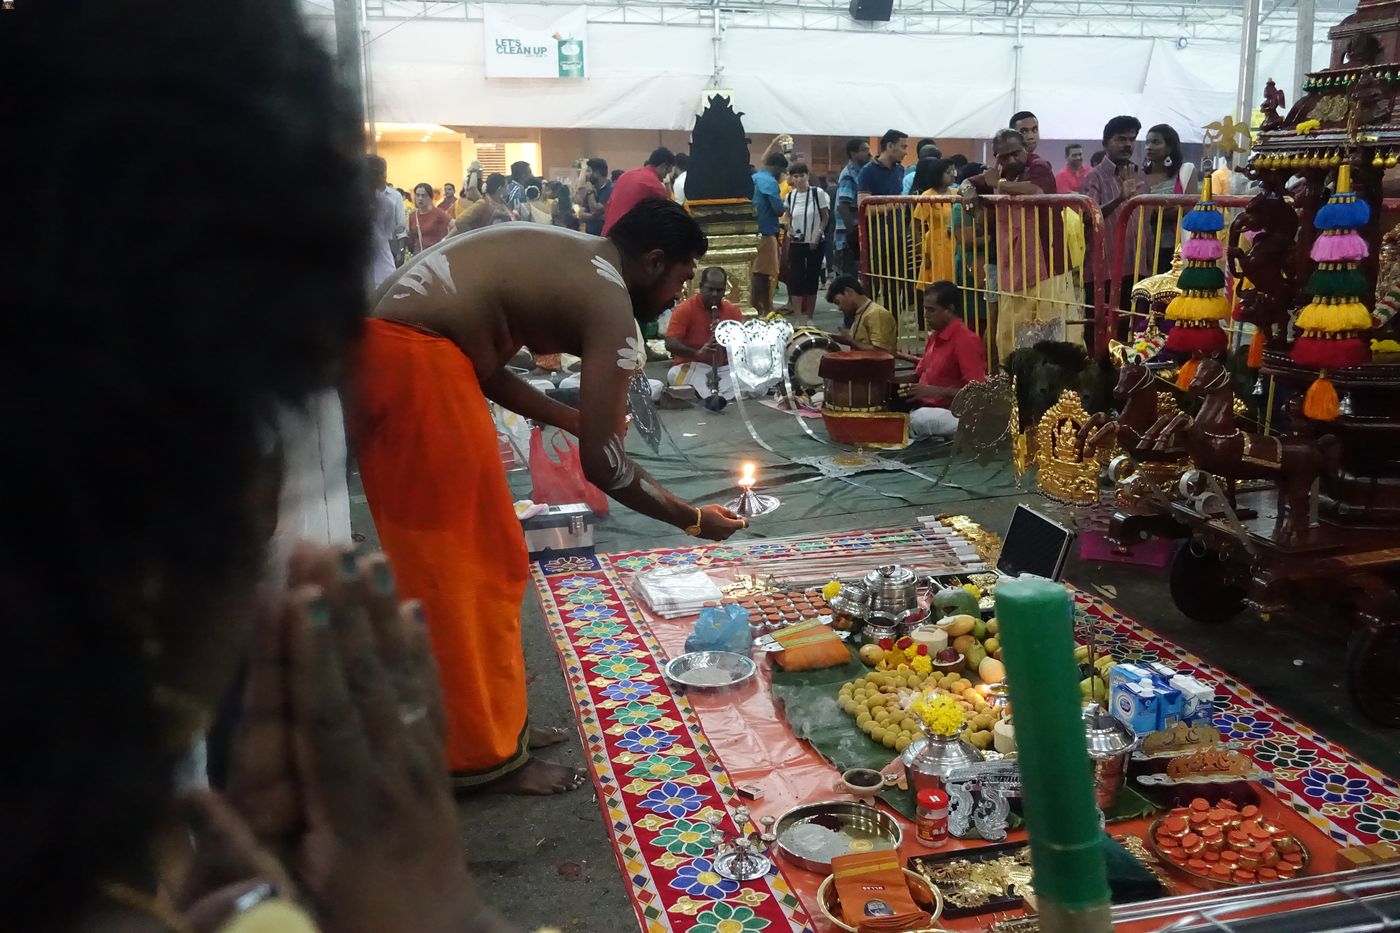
721	628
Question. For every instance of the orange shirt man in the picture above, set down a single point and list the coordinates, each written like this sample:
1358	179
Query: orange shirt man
689	335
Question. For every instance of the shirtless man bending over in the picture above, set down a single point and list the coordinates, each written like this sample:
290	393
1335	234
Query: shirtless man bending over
435	349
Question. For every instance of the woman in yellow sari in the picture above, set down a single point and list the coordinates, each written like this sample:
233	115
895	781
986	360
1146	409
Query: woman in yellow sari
934	220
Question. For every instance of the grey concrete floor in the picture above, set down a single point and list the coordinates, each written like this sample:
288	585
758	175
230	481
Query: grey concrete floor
547	861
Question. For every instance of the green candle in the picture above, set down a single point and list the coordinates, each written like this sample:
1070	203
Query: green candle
1037	644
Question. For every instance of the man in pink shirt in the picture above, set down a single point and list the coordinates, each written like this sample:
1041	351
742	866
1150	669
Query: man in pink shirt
953	357
636	185
1110	183
1032	264
1069	178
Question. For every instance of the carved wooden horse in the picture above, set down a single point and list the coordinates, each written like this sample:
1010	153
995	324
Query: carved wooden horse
1137	390
1218	446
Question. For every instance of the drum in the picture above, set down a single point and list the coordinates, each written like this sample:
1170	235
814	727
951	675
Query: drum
804	356
857	380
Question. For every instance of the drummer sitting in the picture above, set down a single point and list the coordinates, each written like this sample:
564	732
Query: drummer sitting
873	327
953	357
690	336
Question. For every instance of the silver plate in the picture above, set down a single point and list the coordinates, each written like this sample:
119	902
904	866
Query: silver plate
732	669
867	828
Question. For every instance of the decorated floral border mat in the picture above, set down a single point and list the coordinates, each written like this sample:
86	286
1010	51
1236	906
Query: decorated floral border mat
658	777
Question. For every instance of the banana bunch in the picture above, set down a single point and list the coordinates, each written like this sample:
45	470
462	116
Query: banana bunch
1095	686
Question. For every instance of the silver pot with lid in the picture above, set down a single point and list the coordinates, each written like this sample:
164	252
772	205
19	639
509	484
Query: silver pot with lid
893	588
1110	743
853	600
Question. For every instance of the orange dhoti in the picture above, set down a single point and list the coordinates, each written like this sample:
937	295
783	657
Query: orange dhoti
426	445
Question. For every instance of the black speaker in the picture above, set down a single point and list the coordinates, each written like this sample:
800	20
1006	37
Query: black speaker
871	11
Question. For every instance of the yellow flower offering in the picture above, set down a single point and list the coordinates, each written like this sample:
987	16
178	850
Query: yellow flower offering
973	589
940	714
1308	126
831	589
922	664
1385	346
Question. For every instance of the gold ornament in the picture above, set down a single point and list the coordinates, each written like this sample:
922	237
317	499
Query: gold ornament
1332	109
1227	135
1066	473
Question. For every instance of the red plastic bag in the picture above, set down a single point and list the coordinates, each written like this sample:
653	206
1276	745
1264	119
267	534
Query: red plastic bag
559	480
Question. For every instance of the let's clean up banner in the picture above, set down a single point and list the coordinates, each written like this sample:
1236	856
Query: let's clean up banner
529	41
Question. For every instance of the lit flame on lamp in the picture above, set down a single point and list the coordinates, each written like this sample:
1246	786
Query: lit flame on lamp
750	504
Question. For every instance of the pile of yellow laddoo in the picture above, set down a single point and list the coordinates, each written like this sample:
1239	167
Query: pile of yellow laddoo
880	703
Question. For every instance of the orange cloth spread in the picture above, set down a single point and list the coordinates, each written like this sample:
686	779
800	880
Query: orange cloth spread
426	446
873	894
809	646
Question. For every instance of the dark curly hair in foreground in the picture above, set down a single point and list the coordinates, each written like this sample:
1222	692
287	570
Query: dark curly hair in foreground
146	337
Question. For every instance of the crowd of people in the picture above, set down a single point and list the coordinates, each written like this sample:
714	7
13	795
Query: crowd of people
804	220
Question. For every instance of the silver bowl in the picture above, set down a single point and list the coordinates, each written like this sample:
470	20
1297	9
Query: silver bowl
709	670
865	829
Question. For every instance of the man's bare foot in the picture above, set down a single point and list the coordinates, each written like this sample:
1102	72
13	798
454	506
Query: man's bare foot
537	778
545	736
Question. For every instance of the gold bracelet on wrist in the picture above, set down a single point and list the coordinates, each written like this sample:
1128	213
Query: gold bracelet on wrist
694	530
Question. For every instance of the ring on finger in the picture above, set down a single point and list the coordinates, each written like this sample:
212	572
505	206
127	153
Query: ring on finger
409	715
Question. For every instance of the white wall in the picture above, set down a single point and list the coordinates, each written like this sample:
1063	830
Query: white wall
812	82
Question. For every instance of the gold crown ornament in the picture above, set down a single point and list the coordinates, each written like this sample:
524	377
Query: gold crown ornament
1067	472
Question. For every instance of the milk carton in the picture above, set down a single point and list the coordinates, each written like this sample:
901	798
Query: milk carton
1161	674
1127	673
1197	700
1135	705
1120	678
1169	705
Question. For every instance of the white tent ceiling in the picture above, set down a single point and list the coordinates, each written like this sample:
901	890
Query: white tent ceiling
649	71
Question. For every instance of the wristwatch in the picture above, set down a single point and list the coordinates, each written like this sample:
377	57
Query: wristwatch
694	530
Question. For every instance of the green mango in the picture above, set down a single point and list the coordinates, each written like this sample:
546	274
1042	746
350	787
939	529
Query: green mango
975	656
954	601
979	631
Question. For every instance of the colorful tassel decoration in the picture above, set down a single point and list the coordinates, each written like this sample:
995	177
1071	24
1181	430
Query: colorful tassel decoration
1201	278
1332	280
1197	337
1330	351
1344	210
1186	373
1256	350
1202	249
1203	218
1341	246
1333	315
1333	325
1321	403
1200	307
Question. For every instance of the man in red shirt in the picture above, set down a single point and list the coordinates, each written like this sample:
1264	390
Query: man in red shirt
953	357
690	335
1032	266
427	225
638	184
1069	178
449	199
